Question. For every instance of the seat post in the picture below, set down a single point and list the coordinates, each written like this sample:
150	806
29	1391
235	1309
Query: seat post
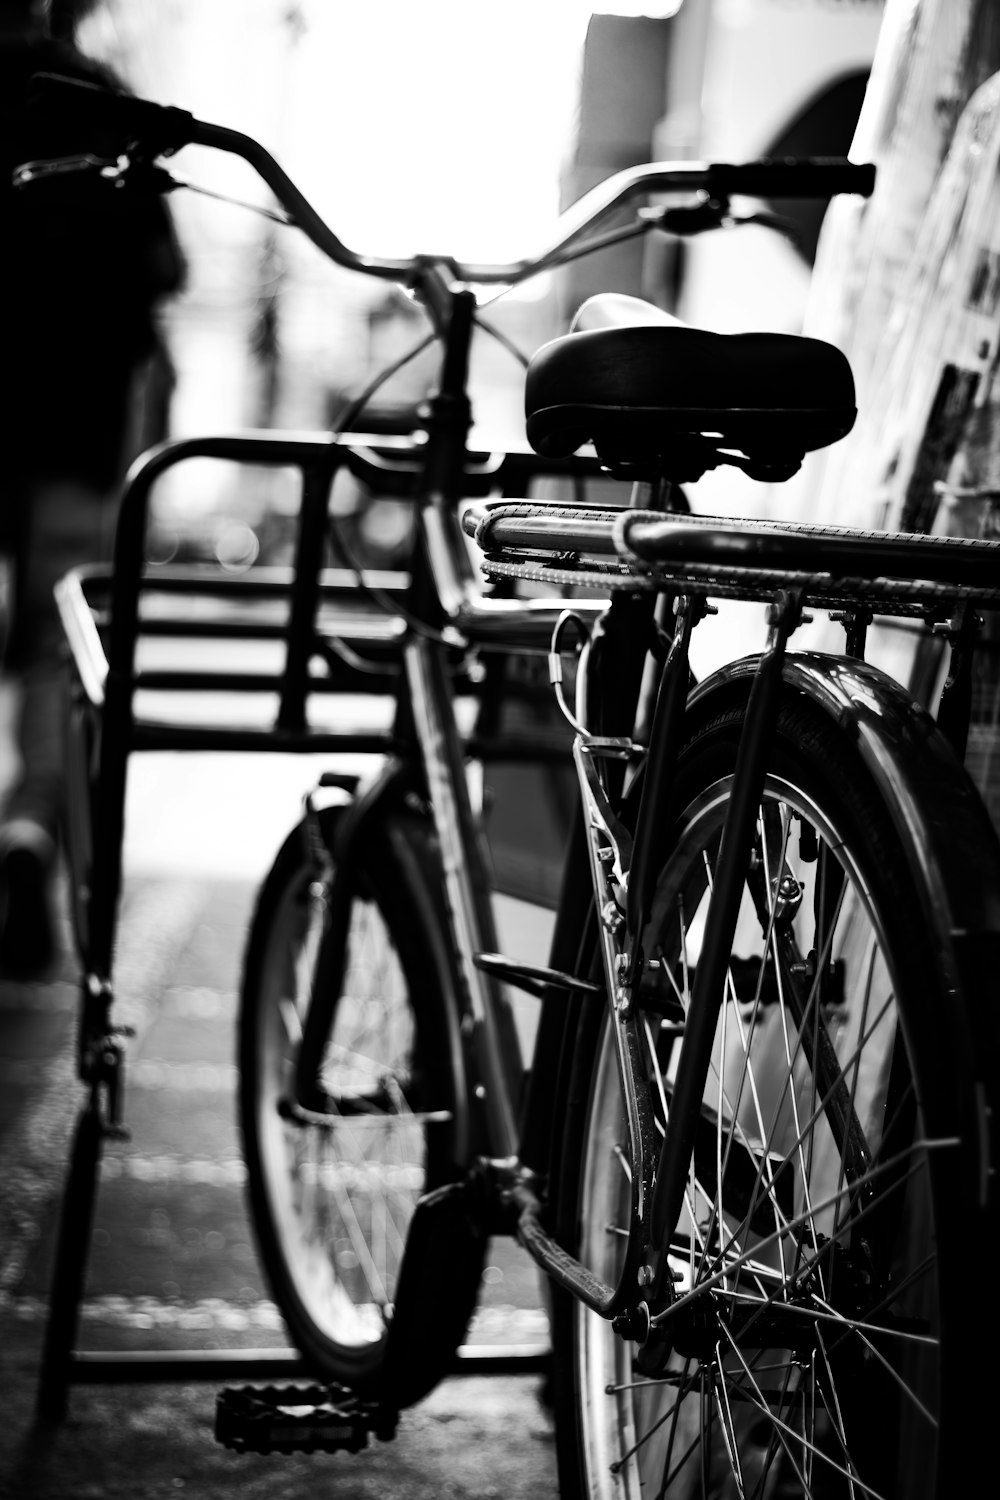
651	494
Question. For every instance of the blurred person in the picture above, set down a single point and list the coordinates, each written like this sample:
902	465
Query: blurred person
81	273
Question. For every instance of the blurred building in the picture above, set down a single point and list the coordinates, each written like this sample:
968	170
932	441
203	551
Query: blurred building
444	117
724	80
268	333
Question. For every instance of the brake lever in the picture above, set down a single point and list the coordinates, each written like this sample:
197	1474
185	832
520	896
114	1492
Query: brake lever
135	174
119	174
688	219
713	213
31	172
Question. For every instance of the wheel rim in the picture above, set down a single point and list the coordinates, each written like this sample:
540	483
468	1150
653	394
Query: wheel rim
822	1235
340	1194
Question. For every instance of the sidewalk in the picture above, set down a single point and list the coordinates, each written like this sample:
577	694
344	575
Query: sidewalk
172	1264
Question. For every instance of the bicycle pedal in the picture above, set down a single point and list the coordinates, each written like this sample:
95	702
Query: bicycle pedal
295	1419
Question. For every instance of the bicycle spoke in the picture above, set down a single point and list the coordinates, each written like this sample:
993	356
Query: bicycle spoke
813	1118
806	1282
684	1383
745	1259
872	1349
772	878
809	1446
726	1422
779	1434
825	1314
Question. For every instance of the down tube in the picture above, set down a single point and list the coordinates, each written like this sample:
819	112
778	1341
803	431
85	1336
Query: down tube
496	1050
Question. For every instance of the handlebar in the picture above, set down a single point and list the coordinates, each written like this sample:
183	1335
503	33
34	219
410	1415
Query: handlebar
161	128
147	129
812	177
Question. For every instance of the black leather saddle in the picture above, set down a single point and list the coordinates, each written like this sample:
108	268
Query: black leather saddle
659	397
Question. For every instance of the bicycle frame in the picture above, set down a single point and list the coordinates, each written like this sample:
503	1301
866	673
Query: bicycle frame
452	620
447	621
455	599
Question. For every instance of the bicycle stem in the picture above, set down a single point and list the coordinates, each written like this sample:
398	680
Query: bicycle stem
720	928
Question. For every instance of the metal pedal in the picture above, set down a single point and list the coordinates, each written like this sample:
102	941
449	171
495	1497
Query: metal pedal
296	1419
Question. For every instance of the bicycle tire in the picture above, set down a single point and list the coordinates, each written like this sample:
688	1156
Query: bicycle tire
861	1377
332	1196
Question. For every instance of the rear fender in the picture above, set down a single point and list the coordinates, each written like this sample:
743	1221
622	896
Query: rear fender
937	812
946	835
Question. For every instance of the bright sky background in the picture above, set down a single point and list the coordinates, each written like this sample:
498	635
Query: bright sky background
412	126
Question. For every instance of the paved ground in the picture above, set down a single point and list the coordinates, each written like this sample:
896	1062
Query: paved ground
172	1263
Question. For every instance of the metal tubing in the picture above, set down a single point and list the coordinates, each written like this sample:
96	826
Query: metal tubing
267	582
82	637
569	952
664	747
564	1268
153	1366
439	588
70	1266
309	544
219	737
809	550
720	926
149	735
191	681
954	714
467	888
605	877
443	573
118	715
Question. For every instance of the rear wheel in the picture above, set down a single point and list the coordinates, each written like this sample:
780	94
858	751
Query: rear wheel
824	1324
339	1151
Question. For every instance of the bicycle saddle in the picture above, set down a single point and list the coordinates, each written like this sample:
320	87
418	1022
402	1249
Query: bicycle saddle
658	396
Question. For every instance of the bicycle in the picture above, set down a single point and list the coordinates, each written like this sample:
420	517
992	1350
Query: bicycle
757	1132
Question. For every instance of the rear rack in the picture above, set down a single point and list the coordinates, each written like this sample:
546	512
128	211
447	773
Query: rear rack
895	573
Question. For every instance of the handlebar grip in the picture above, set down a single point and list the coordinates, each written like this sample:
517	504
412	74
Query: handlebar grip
71	101
807	177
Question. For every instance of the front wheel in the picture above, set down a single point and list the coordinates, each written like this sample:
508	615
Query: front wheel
827	1331
335	1168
